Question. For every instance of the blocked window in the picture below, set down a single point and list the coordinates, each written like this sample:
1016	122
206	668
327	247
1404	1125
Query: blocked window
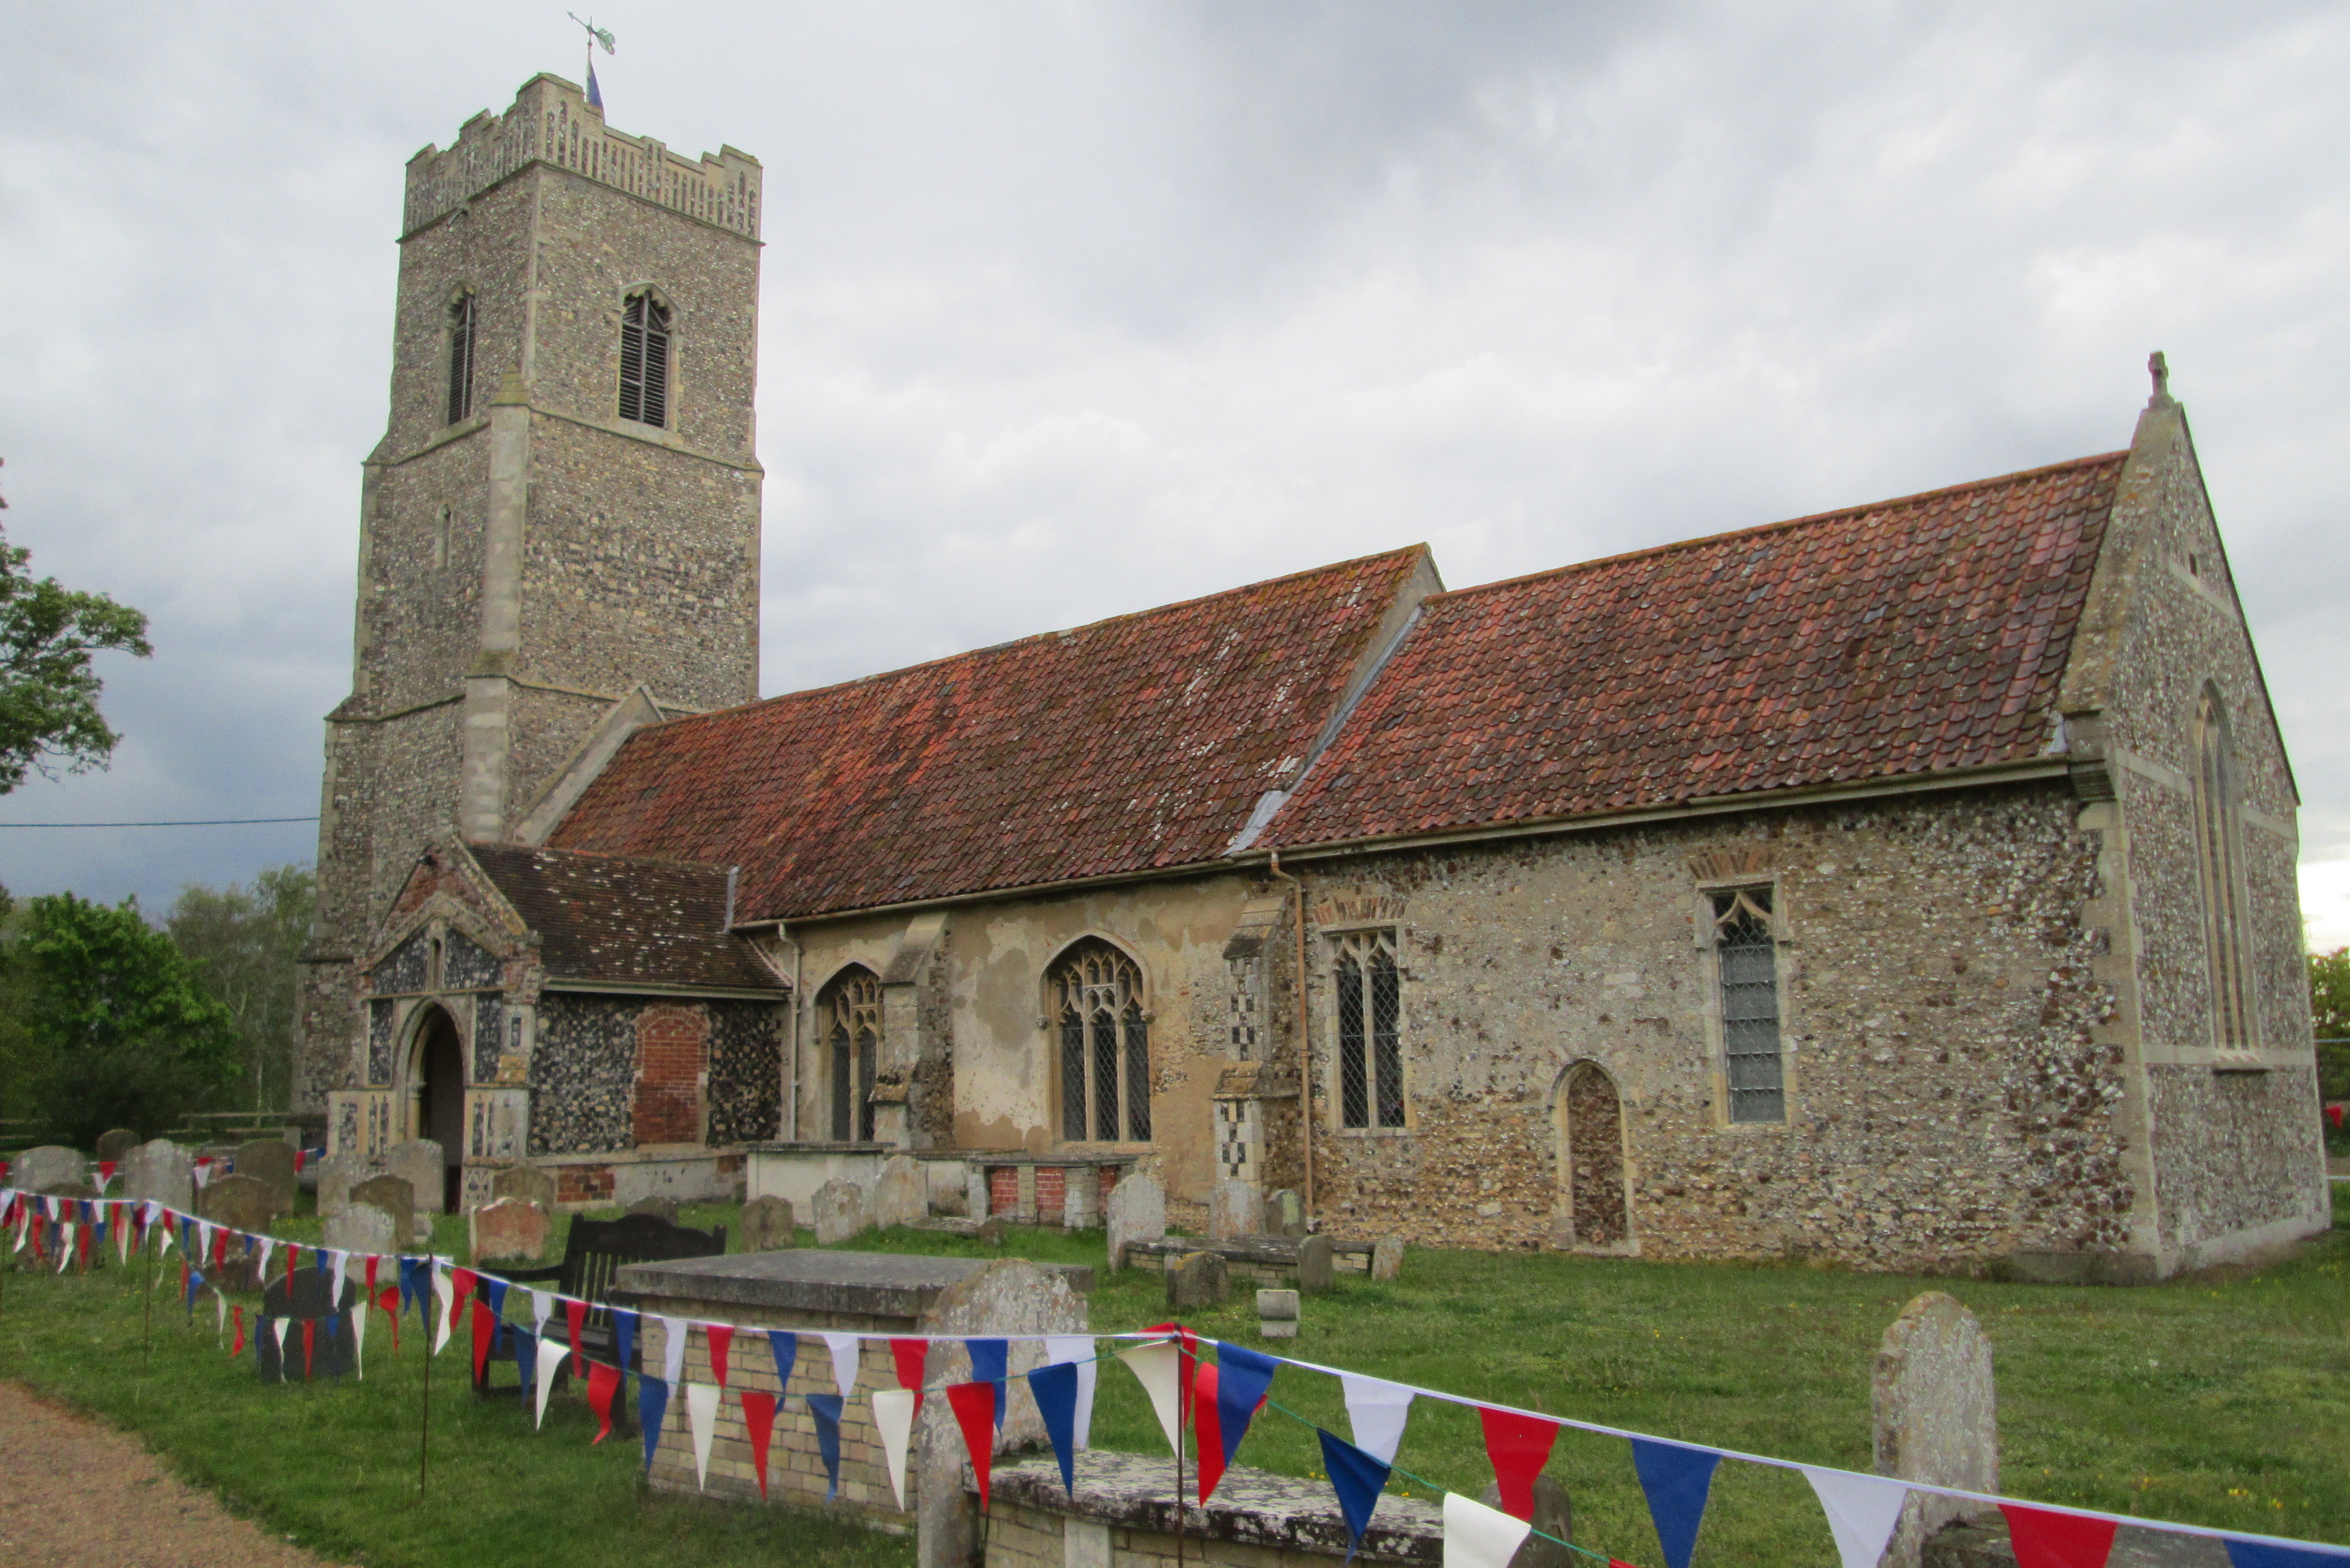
1370	1030
644	360
1105	1045
672	1065
1746	954
2220	849
851	1009
460	358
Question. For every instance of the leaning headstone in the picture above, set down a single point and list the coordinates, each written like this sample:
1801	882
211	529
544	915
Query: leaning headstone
1276	1314
1386	1257
114	1144
336	1178
361	1229
1285	1215
659	1208
1553	1515
767	1225
418	1162
1136	1212
1197	1280
839	1211
526	1183
50	1164
1317	1266
394	1197
509	1228
160	1170
307	1299
1236	1207
270	1159
1936	1414
901	1194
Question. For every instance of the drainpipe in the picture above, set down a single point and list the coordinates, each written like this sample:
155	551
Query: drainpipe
792	1075
1304	1045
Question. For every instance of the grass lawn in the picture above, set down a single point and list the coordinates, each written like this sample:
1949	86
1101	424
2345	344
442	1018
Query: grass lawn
2218	1401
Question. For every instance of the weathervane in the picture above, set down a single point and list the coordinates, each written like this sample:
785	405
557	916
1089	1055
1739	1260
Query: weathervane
595	35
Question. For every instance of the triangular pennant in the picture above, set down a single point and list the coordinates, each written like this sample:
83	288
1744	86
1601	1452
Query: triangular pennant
1207	1428
1053	1386
991	1362
195	1283
66	1251
1476	1536
2276	1554
893	1417
1862	1511
785	1346
461	1290
339	1263
1517	1447
541	1304
908	1358
575	1320
411	1283
624	1340
759	1425
122	1242
673	1333
603	1382
522	1345
845	1349
1156	1368
238	1348
1359	1479
825	1409
1677	1480
721	1338
1078	1351
1243	1382
278	1326
652	1406
974	1412
220	1314
1377	1409
372	1260
493	1291
389	1303
442	1319
2043	1538
701	1421
359	1340
309	1346
486	1334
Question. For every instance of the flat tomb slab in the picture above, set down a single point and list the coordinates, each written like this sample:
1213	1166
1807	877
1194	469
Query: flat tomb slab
813	1282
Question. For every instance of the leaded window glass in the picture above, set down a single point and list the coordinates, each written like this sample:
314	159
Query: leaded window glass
1747	955
1105	1031
851	1008
1370	1030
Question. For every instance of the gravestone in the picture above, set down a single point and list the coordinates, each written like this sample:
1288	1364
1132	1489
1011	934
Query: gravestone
270	1159
659	1208
1285	1214
50	1164
1936	1414
336	1178
360	1229
309	1299
420	1163
993	1230
767	1225
1196	1280
509	1228
526	1183
160	1170
1317	1266
116	1143
1276	1314
1235	1209
1386	1257
242	1203
839	1211
901	1194
1136	1212
1081	1199
1553	1515
394	1197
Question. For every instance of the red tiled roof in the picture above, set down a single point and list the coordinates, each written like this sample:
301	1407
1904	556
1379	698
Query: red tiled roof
1897	638
1133	743
602	917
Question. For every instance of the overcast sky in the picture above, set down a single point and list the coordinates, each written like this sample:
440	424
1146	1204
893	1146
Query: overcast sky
1072	310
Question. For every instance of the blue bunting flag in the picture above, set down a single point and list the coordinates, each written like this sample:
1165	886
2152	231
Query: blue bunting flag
991	1361
1358	1478
825	1409
1677	1480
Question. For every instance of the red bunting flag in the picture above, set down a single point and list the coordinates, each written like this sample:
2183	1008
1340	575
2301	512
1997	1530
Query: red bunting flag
974	1412
759	1420
309	1344
603	1382
293	1261
1517	1447
486	1329
81	1247
461	1290
720	1336
575	1318
2046	1539
911	1357
1208	1427
389	1302
238	1348
371	1262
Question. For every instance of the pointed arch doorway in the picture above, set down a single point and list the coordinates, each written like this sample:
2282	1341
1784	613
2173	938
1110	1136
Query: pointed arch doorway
437	1105
1593	1212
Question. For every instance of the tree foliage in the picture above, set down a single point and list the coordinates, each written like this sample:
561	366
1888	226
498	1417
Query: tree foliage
242	943
49	721
2329	1004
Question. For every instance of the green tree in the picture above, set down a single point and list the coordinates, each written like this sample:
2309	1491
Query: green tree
124	1034
2329	1004
242	943
49	721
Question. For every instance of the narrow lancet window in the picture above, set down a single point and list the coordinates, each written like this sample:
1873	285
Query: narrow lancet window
644	361
2220	848
461	359
1747	953
1105	1035
1370	1030
851	1008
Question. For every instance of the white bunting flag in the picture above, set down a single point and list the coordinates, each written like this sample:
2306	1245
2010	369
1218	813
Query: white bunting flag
542	1303
846	1350
165	1244
220	1303
149	1213
65	1245
672	1349
1862	1511
52	1202
702	1414
1377	1410
1476	1536
24	1220
552	1352
203	1174
122	1233
893	1415
281	1324
1157	1367
268	1246
204	1241
1078	1348
359	1342
337	1262
443	1298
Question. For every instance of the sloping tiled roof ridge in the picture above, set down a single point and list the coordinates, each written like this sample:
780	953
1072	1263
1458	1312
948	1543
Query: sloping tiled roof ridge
1894	638
1131	744
604	918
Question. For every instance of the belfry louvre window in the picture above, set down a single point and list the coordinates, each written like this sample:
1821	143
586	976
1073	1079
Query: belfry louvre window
1105	1040
461	359
1747	954
644	361
2220	848
1370	1030
851	1006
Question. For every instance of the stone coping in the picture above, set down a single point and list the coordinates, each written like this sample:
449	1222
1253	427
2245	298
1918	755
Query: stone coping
1251	1506
813	1280
992	1157
821	1146
1279	1252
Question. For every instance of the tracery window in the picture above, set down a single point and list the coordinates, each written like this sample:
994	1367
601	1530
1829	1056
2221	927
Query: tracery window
1746	954
850	1009
1370	1030
460	358
1105	1037
2220	848
644	360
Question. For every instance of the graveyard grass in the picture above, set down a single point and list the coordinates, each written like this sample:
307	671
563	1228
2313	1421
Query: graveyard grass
2220	1400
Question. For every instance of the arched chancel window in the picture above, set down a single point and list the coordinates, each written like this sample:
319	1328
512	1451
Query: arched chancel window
1746	955
460	358
851	1012
1370	1030
644	360
1105	1031
2220	849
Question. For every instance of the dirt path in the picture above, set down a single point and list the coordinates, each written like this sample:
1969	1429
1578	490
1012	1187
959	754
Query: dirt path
110	1503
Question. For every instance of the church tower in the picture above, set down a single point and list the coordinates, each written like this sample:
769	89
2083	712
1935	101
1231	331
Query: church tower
559	531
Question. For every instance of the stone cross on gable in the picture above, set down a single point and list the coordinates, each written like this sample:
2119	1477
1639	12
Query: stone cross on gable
2160	369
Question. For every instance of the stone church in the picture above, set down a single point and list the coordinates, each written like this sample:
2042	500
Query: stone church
1908	886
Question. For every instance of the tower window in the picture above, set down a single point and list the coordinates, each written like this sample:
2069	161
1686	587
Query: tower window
852	1006
1746	952
461	359
2221	852
644	361
1370	1030
1105	1037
